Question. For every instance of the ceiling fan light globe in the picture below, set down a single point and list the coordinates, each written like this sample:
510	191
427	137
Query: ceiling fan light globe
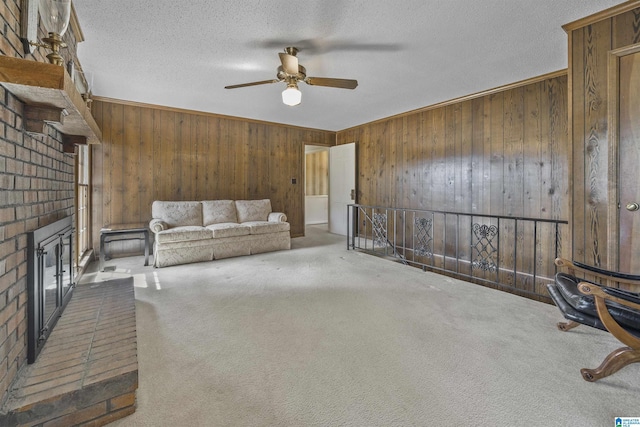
291	96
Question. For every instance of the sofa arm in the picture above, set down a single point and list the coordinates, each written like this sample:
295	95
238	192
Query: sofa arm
277	217
157	225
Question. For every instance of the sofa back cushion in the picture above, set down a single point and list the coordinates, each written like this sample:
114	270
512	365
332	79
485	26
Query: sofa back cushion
218	212
253	210
177	214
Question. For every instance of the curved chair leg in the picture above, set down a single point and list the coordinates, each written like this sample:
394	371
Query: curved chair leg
566	326
615	361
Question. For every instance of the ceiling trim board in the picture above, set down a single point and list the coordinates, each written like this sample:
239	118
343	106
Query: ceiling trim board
604	14
464	98
203	113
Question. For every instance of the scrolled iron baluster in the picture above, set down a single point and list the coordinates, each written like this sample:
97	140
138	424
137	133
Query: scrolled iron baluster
423	237
484	248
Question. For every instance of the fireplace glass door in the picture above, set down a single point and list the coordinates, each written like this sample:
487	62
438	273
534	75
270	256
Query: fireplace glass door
50	278
49	269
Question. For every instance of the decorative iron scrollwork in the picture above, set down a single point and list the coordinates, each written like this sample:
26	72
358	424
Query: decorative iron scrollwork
379	222
424	240
485	250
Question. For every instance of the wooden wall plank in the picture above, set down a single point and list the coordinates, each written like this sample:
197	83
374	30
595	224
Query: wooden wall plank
476	167
158	177
451	142
532	151
513	152
185	155
578	137
464	197
131	163
217	135
118	152
487	156
497	184
169	162
597	39
560	151
108	166
439	175
200	134
97	176
146	183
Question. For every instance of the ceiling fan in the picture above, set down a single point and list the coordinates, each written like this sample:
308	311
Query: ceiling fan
291	72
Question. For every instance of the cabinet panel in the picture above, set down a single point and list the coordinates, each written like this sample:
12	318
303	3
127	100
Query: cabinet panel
604	168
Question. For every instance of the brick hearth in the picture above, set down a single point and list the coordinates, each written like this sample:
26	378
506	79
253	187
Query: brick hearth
87	372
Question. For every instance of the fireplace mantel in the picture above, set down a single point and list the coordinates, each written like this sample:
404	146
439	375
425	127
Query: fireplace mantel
50	96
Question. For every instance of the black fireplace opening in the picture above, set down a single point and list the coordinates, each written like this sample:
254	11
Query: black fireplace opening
50	280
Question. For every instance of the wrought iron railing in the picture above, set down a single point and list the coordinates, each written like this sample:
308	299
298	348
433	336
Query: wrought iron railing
514	253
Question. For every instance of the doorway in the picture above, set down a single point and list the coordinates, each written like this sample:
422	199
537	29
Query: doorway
316	185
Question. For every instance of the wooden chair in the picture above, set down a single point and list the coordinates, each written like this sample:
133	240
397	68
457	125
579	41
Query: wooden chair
589	301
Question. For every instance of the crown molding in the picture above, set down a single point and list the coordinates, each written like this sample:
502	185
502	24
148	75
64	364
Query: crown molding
604	14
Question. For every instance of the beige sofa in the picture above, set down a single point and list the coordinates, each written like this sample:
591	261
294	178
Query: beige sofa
213	229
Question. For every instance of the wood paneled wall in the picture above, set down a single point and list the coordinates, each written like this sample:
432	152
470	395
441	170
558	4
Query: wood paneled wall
152	153
317	173
504	153
590	41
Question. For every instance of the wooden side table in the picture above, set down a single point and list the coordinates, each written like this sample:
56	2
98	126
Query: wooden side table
117	232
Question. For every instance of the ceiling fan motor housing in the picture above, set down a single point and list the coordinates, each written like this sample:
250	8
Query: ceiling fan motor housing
302	74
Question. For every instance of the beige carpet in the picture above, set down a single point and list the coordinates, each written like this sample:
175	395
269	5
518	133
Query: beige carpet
322	336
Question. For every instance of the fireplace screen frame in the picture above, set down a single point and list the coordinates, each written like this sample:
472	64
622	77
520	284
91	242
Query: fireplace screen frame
50	280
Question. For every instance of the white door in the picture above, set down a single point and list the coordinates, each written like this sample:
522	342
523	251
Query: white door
342	185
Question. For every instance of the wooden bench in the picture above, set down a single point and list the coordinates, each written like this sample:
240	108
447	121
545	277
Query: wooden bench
586	296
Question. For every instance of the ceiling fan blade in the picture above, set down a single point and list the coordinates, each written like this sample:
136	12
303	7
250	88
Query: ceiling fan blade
289	63
263	82
325	81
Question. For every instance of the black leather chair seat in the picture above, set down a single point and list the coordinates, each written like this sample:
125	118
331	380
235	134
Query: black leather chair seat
582	309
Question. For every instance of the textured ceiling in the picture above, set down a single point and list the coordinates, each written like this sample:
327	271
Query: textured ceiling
404	54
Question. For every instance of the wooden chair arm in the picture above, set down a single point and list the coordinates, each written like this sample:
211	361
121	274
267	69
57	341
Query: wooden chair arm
599	273
588	288
609	322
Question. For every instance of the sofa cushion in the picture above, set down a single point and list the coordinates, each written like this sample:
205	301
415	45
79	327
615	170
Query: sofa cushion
179	234
228	229
253	210
265	227
218	211
176	214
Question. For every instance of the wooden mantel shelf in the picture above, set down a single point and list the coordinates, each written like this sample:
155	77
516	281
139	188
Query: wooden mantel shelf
47	89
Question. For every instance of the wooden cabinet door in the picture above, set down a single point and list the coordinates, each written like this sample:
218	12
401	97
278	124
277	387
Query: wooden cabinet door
629	163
